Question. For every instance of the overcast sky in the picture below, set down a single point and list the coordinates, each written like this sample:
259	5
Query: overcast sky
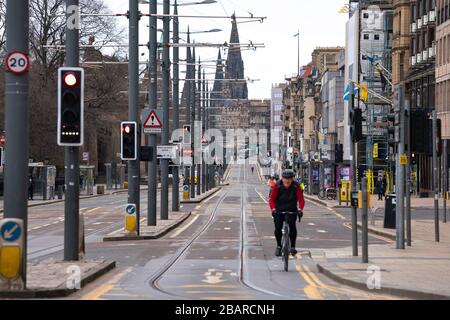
319	22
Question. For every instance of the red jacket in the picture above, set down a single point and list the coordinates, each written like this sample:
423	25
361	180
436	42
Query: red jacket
274	197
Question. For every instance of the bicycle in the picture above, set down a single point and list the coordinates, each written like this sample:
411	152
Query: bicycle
330	194
285	241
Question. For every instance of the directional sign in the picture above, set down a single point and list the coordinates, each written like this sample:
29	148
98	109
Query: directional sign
10	231
17	62
152	122
131	209
168	152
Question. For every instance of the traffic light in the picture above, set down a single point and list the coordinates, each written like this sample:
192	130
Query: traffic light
339	153
70	107
187	134
356	120
128	141
414	158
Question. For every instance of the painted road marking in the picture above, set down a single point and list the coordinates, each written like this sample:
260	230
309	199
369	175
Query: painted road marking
180	231
92	210
261	196
312	290
321	231
103	289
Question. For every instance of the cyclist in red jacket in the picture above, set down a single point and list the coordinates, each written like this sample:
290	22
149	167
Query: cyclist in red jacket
286	196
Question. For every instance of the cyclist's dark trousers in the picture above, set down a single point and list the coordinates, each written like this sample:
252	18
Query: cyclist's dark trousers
279	221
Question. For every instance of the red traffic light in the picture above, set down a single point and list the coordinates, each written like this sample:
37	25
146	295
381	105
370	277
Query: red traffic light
126	129
70	80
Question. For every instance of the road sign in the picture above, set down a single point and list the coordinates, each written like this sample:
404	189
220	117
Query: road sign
17	62
131	209
167	152
85	156
403	159
152	121
10	231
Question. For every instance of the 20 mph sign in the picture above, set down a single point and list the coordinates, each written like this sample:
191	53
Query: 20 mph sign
17	62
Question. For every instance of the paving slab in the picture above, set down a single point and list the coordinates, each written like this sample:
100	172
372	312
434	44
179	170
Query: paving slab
50	278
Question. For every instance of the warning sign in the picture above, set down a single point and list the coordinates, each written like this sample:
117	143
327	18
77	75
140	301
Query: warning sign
403	159
152	121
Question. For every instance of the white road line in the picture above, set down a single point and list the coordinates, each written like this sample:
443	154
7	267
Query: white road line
92	210
179	231
321	231
261	196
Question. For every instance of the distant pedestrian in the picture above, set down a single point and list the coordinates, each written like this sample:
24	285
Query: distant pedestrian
384	186
379	189
30	187
253	170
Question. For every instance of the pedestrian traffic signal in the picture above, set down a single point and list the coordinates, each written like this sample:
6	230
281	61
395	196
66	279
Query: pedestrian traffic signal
128	141
70	107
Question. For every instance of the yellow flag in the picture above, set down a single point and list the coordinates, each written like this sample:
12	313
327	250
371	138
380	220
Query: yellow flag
364	92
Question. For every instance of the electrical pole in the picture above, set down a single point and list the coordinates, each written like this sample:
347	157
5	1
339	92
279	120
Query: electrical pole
353	153
199	118
435	177
176	107
203	104
192	108
187	174
16	122
152	103
400	174
72	160
165	103
133	101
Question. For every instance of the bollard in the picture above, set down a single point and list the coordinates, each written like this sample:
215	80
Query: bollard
12	254
60	192
131	219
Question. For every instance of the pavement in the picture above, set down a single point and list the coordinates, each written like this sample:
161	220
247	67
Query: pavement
418	272
416	202
56	279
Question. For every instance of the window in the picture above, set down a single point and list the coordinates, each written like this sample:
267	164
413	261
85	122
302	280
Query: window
366	36
366	15
377	37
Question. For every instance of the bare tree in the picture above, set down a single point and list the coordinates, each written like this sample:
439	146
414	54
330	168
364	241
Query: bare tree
47	27
2	27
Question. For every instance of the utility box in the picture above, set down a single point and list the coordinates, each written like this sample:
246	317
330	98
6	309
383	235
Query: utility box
390	212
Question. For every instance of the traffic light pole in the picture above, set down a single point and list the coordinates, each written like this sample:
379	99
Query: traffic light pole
188	100
353	153
133	101
165	103
176	106
152	102
444	179
408	174
203	104
435	177
16	121
72	154
400	174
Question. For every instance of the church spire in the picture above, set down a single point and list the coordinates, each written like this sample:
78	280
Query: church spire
235	65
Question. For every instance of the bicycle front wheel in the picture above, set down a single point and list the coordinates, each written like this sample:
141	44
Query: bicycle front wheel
286	248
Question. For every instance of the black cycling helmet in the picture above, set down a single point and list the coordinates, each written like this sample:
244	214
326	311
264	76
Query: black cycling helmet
288	174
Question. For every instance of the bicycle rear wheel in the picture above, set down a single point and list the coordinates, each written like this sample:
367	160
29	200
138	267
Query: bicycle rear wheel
321	195
286	248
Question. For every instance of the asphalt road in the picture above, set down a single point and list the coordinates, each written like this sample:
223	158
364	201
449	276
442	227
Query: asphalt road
225	250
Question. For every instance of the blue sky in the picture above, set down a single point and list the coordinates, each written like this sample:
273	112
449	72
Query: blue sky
319	22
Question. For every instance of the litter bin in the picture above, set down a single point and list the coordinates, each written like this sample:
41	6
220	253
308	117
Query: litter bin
100	189
389	212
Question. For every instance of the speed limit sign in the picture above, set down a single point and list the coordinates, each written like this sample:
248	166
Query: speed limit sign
17	62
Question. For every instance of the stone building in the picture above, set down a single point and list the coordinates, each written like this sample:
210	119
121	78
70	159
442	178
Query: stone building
443	65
